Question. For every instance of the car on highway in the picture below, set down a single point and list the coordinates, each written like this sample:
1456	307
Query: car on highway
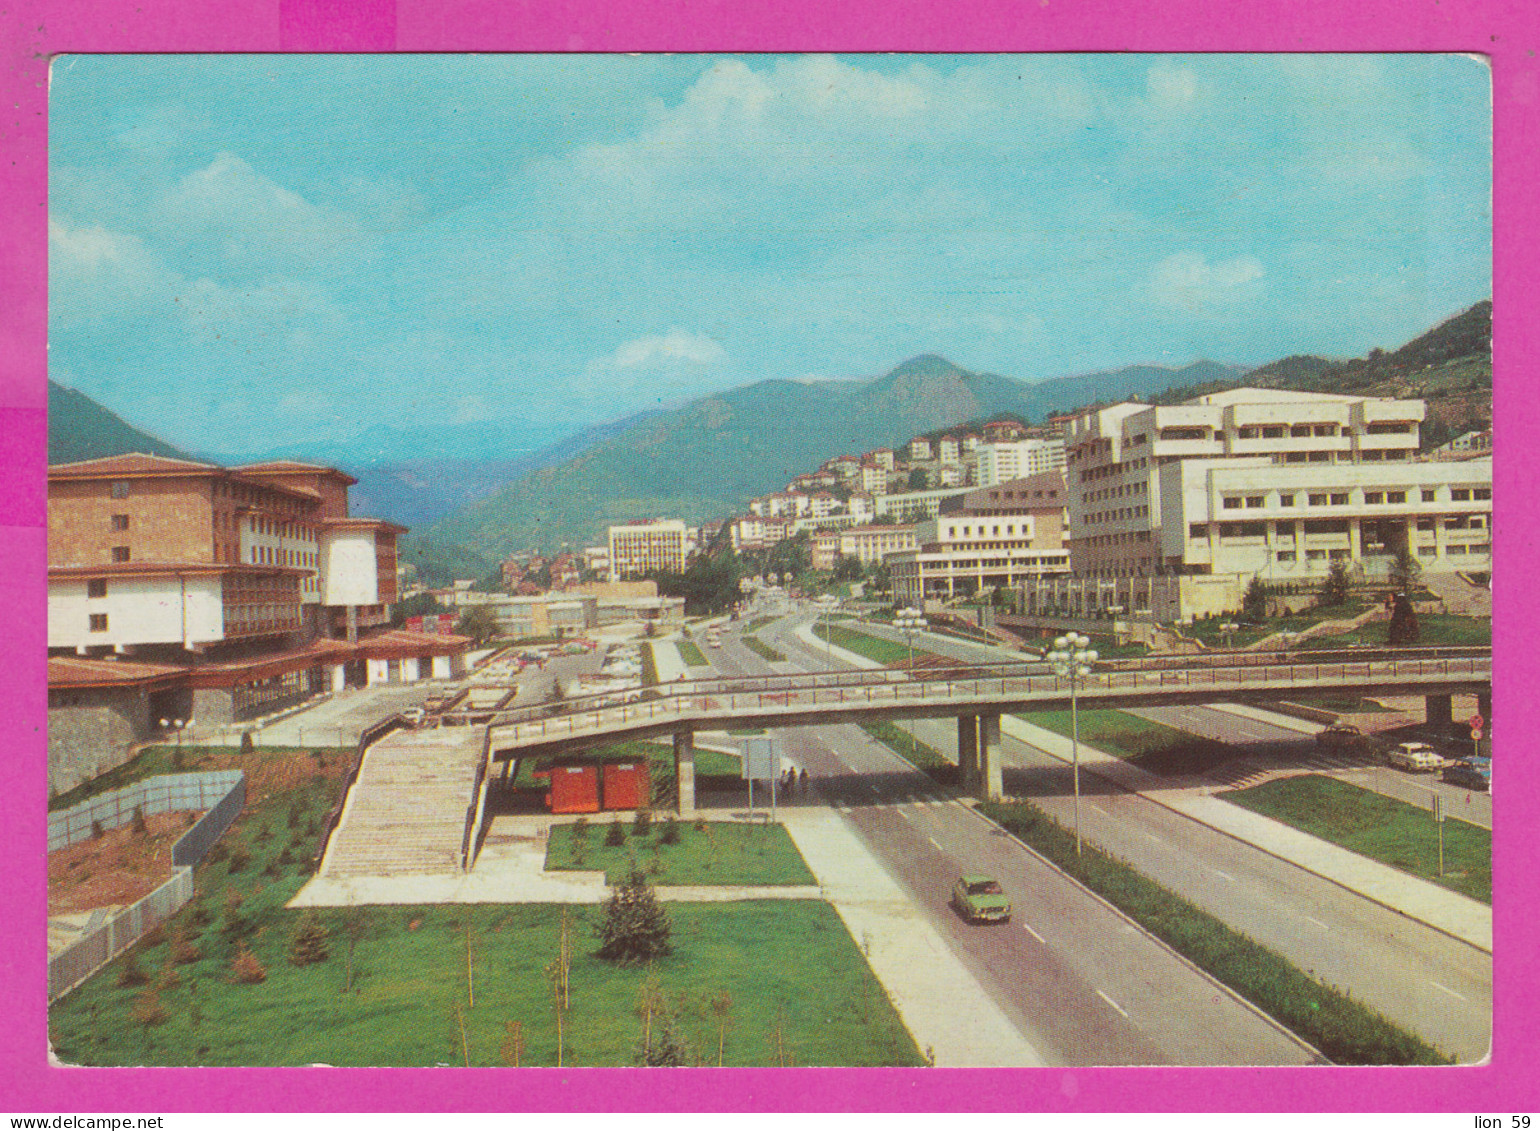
1339	734
414	716
1418	757
1471	773
979	898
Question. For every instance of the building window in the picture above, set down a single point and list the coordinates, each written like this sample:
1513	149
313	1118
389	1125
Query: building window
98	622
1232	502
1247	433
1319	457
1460	494
120	522
120	489
1482	493
1315	555
120	553
96	587
1317	500
1340	555
1425	524
1427	551
1430	494
1373	497
1273	432
1285	500
1285	555
1255	501
1325	429
1197	530
1300	430
1339	499
1395	496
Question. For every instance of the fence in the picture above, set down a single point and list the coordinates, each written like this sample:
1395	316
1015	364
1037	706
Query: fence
164	793
104	941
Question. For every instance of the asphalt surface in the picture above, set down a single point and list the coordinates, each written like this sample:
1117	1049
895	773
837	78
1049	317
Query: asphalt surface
1082	984
1420	978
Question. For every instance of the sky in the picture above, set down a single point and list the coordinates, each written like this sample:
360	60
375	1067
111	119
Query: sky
403	252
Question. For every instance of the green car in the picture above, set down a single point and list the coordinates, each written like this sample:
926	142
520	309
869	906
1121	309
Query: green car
981	899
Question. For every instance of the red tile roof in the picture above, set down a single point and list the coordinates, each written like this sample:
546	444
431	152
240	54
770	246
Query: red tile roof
293	467
395	643
134	463
85	671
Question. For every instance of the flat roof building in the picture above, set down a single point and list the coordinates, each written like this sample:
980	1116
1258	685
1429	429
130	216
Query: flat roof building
637	548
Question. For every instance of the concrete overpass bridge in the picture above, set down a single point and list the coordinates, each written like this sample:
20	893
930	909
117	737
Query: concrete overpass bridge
976	696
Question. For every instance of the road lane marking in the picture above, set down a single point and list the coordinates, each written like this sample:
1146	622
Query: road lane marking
1153	837
1446	989
1317	922
933	843
1112	1003
1225	875
1098	808
1034	934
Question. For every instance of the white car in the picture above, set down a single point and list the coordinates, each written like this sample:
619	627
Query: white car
1418	757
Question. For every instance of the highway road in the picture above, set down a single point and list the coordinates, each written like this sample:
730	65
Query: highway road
1422	979
1082	984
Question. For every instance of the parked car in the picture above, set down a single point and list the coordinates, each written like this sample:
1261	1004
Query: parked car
1418	757
414	716
981	899
1338	735
1472	773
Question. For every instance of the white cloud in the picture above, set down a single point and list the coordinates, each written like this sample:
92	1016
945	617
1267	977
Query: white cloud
1188	281
95	272
675	348
1170	88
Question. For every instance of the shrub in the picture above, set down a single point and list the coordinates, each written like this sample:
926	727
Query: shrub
247	745
239	858
140	825
309	944
183	950
579	832
635	927
148	1010
245	969
643	823
130	974
615	836
96	828
670	833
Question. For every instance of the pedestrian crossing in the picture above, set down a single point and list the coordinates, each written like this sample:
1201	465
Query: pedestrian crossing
1243	773
908	800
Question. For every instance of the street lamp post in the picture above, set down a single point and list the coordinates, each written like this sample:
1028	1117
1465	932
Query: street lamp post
909	621
1072	659
1229	628
826	606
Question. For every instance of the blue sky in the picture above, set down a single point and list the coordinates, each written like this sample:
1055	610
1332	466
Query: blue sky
248	252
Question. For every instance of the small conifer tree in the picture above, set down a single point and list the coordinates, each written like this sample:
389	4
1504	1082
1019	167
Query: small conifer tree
245	968
635	927
309	944
615	835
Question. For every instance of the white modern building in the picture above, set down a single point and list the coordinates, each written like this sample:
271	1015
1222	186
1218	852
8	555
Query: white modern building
1175	508
639	547
1014	459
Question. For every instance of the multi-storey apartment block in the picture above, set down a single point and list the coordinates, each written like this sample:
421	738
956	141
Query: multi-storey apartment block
874	543
636	548
183	590
1175	508
1004	536
1015	459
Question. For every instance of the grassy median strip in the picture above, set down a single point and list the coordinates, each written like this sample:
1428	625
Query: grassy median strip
1345	1031
759	622
864	644
1379	827
1151	746
712	853
690	653
921	755
760	648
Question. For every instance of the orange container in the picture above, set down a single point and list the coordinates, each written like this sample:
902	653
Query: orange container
574	789
626	785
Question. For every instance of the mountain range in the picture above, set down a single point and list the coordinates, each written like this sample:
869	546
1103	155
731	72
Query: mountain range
706	459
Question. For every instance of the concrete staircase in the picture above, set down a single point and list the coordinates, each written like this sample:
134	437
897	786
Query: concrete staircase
405	815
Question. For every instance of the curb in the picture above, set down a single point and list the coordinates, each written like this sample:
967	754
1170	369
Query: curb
1277	856
970	805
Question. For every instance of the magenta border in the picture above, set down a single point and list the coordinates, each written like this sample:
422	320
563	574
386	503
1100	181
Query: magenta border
32	30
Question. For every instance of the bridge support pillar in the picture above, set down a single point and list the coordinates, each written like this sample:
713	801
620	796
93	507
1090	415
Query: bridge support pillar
968	751
990	785
684	771
1440	712
1484	706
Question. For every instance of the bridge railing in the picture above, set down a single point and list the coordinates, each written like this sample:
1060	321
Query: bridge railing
706	698
845	678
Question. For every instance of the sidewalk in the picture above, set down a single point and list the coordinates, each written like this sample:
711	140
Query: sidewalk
1444	910
1457	915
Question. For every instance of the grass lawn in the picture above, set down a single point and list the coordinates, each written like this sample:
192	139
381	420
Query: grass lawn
863	644
759	622
760	648
1207	629
1379	827
172	759
1152	746
798	988
1435	629
1347	1032
691	654
919	754
725	852
1343	704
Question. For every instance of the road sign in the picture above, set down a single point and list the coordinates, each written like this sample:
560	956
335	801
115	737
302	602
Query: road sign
1475	734
1476	722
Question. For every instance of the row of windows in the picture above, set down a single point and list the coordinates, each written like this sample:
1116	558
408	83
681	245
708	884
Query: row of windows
1285	530
1343	498
1116	515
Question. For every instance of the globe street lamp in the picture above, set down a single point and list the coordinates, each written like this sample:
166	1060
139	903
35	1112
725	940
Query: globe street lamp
1229	628
1072	659
910	621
